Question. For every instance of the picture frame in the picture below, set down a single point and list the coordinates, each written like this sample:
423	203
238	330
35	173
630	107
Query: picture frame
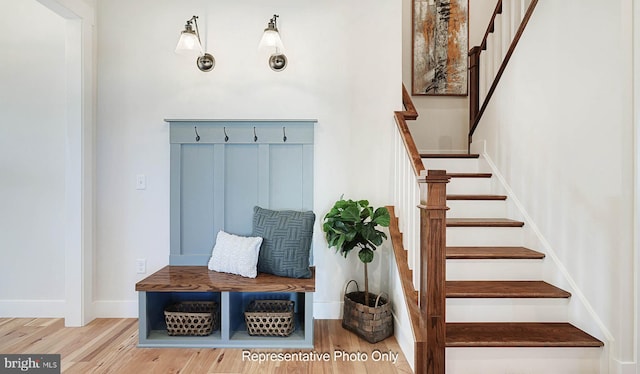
440	45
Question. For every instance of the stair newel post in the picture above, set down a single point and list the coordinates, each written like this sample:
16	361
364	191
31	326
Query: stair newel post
433	268
474	85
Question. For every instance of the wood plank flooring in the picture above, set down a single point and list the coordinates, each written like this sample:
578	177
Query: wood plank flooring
109	346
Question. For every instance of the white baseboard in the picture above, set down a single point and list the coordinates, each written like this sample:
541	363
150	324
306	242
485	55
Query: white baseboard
32	308
115	309
327	310
404	336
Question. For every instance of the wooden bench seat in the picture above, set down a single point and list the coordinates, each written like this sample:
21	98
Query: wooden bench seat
232	293
201	279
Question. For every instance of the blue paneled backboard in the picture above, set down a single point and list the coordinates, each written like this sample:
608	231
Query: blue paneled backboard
221	169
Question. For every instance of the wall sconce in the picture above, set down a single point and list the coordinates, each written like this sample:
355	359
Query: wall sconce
271	39
189	44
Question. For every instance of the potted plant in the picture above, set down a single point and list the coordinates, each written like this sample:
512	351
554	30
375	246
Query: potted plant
353	225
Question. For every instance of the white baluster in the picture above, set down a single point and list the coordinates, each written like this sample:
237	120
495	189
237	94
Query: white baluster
507	32
416	234
406	199
516	6
482	72
496	37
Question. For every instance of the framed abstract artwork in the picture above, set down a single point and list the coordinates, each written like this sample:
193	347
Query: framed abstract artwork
440	47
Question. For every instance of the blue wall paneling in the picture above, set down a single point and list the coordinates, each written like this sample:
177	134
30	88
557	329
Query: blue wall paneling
235	165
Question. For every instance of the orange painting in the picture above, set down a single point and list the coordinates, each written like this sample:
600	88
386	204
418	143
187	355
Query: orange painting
440	47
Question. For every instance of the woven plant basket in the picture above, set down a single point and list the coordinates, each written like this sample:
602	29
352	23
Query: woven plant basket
373	324
197	318
270	318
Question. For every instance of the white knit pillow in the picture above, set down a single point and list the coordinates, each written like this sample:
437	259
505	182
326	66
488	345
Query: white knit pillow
235	254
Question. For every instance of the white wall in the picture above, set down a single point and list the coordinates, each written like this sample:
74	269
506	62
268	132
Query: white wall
559	129
443	122
32	160
335	74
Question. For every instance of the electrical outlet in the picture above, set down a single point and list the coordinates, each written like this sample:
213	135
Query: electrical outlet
141	266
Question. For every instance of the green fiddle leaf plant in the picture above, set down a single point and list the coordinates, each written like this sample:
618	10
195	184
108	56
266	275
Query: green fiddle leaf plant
353	224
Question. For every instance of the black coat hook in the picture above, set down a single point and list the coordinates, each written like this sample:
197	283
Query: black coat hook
195	128
255	137
226	137
284	134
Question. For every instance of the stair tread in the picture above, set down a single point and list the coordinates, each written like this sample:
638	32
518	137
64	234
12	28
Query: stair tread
503	289
470	175
483	222
476	197
449	155
528	334
459	253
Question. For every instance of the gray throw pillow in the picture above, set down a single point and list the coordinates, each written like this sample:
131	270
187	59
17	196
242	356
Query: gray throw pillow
286	241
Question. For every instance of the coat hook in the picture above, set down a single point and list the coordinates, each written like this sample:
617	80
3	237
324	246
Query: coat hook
255	137
284	134
195	128
226	137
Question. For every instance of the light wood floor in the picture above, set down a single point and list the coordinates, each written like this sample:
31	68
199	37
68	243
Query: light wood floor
109	346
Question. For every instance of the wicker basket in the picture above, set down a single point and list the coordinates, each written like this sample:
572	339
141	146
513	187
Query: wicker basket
373	324
270	318
198	318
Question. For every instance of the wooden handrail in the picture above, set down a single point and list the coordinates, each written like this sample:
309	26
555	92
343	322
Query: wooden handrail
401	117
410	294
426	311
410	111
474	55
433	227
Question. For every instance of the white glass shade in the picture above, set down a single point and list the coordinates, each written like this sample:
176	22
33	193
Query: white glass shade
271	39
189	44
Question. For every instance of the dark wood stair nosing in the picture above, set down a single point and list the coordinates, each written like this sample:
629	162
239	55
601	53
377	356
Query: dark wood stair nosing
470	175
450	155
490	253
483	222
479	197
518	334
520	289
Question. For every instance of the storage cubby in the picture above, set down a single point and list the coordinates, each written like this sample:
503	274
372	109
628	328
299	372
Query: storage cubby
196	283
238	302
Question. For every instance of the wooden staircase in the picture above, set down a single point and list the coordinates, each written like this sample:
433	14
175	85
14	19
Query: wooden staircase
507	333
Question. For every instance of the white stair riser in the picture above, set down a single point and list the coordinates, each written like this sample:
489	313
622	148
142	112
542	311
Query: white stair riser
462	165
507	310
484	236
477	208
494	269
469	186
523	360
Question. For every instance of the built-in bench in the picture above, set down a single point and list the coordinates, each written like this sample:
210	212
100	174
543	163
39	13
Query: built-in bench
233	293
219	171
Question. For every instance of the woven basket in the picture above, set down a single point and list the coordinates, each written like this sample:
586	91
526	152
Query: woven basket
269	318
198	318
373	324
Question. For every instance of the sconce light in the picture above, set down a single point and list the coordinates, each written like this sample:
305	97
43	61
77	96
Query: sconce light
190	45
271	39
